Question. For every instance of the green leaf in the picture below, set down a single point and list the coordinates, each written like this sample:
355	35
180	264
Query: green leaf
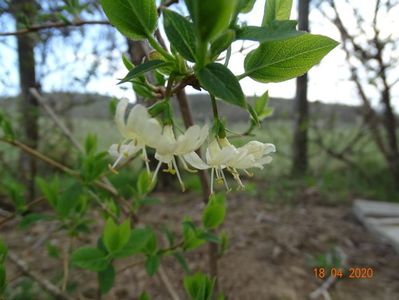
221	82
137	19
90	258
254	115
182	261
144	183
222	43
49	190
91	144
210	17
129	65
282	60
69	199
137	241
261	102
144	296
190	238
106	279
152	264
144	68
209	237
199	286
180	33
279	30
33	218
3	282
3	251
245	6
276	10
214	211
52	250
116	237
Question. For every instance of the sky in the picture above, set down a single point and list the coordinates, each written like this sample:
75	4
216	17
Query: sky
328	81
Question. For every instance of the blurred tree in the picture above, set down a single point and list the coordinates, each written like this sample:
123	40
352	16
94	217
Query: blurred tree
40	28
25	12
301	110
371	49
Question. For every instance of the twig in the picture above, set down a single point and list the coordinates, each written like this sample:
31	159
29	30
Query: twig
50	25
323	289
133	264
14	214
168	285
106	187
47	285
56	119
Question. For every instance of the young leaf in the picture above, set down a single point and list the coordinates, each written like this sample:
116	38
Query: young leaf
144	183
144	296
90	258
69	199
144	68
180	33
32	218
116	237
106	279
279	30
127	62
210	17
199	286
221	82
222	43
282	60
152	264
214	211
138	240
276	10
3	251
49	189
137	19
261	102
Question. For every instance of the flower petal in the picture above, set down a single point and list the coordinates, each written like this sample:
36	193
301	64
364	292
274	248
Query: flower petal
195	161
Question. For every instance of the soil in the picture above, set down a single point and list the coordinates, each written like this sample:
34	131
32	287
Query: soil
269	255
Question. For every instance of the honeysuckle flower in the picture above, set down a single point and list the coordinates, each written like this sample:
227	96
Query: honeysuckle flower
222	155
139	131
254	154
168	148
122	152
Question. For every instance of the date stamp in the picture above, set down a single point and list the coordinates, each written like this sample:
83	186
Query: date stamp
350	273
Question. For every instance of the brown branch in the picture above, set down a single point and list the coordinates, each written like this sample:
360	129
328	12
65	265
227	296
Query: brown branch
203	176
103	185
43	282
51	25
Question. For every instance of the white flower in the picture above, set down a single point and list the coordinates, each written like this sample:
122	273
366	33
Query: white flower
122	152
168	147
222	155
138	131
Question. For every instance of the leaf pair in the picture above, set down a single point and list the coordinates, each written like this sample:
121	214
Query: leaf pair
284	53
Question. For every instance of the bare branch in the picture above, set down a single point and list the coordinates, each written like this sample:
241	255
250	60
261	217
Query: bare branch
50	25
47	285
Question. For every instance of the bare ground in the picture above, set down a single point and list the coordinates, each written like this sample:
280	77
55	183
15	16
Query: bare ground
268	256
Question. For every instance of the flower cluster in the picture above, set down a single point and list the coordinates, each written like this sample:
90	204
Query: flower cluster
140	130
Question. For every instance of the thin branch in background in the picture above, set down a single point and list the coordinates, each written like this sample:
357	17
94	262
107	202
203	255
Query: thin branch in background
168	285
43	282
51	25
56	119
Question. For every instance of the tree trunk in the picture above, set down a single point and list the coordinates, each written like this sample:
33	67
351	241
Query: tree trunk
392	141
301	110
28	106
